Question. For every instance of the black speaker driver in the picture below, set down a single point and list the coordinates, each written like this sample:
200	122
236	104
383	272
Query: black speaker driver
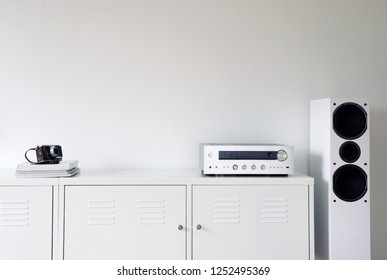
350	182
350	152
349	120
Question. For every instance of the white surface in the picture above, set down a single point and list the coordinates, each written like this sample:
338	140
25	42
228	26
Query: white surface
342	228
26	222
137	222
8	177
256	222
138	84
320	153
177	176
188	176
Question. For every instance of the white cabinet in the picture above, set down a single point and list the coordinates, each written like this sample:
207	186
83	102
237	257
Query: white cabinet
26	222
125	222
251	222
158	215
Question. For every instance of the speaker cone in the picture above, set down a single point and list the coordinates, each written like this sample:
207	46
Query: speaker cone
349	121
349	151
350	182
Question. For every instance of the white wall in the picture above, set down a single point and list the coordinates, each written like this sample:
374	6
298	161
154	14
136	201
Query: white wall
139	83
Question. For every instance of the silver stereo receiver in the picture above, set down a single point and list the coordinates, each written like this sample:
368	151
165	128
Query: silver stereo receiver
246	159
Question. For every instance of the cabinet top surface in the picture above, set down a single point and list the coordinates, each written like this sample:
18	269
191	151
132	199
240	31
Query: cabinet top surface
182	177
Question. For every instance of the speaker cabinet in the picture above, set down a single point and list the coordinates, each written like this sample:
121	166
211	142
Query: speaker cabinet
339	163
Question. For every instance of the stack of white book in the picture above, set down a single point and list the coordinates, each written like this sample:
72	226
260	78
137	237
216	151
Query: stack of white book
62	169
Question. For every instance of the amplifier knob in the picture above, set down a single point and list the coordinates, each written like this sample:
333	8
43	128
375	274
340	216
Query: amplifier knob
244	167
235	167
253	167
282	155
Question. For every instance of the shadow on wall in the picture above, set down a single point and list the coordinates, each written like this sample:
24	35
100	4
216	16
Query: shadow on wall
378	189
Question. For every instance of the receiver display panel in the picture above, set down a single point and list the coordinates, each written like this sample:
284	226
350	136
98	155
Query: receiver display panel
247	155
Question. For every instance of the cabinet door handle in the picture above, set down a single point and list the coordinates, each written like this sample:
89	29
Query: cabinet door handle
180	227
199	227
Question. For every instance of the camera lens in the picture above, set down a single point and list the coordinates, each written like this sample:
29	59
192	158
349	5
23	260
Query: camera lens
54	151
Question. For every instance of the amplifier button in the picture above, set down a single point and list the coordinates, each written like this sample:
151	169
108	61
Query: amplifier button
235	167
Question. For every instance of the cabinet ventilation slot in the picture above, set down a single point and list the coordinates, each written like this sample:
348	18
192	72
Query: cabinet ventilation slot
101	212
150	211
227	211
14	213
274	210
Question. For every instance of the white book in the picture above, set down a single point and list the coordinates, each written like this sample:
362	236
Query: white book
46	171
48	174
61	166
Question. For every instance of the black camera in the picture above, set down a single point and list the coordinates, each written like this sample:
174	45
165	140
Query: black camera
47	154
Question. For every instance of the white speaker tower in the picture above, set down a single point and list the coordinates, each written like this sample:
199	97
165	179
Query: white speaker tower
339	162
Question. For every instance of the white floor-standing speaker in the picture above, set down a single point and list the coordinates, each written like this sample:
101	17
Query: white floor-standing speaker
339	162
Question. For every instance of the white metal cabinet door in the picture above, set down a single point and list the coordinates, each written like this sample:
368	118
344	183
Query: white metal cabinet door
125	222
250	222
26	222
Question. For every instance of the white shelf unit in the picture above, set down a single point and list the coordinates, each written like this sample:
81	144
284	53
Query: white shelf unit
180	214
27	217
